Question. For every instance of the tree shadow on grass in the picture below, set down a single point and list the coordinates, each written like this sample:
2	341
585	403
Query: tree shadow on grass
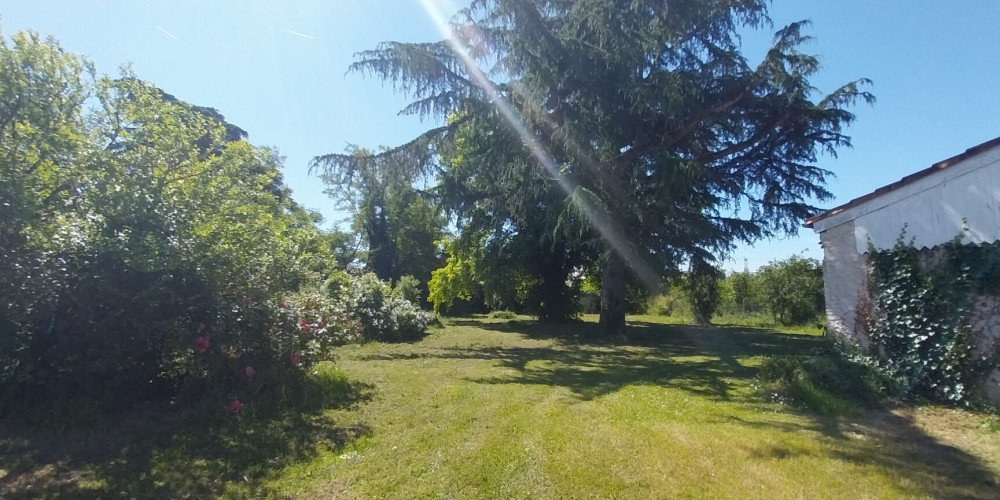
158	453
707	362
746	341
694	358
922	465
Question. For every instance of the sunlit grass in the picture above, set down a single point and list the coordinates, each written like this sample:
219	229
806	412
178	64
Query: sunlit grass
501	408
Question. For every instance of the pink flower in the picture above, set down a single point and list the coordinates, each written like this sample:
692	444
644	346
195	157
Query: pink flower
295	358
202	344
234	407
303	325
250	372
282	304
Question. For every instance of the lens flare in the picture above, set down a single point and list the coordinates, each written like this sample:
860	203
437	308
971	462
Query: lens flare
610	232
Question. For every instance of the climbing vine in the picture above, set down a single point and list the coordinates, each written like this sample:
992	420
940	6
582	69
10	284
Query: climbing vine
918	316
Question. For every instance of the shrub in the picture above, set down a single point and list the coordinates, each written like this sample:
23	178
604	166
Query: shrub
503	315
672	303
408	288
142	249
829	383
701	284
382	312
337	284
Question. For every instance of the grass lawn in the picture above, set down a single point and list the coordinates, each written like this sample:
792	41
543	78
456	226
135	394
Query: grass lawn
516	409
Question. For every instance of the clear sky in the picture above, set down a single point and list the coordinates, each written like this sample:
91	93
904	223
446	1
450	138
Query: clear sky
277	69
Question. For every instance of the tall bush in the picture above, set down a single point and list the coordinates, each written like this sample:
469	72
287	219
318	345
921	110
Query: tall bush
748	295
384	313
701	283
142	251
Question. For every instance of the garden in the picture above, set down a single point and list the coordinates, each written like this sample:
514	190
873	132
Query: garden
527	301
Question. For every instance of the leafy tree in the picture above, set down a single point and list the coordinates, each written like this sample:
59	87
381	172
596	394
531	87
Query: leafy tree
701	283
42	137
417	224
344	246
793	289
398	225
127	220
457	280
646	114
532	243
748	294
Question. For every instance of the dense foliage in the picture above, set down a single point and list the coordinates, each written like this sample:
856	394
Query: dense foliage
397	224
624	137
476	273
917	317
792	290
828	382
385	312
144	247
784	292
701	284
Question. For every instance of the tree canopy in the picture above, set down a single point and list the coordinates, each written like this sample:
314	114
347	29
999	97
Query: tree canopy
399	225
663	141
127	219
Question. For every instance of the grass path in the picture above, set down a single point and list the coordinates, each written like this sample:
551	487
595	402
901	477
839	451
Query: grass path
520	410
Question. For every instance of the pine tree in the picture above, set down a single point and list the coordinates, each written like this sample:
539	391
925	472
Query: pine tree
646	114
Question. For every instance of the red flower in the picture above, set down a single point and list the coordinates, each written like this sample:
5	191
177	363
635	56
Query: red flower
282	304
234	407
250	372
295	358
303	325
202	344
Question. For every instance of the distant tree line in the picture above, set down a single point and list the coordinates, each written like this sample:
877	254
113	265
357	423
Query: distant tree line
787	292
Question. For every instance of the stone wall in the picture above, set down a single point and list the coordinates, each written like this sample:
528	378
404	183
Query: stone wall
985	321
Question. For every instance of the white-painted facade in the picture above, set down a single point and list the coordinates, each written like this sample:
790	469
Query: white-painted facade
933	209
959	196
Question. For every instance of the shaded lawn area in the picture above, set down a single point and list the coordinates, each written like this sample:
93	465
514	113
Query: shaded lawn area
160	452
496	409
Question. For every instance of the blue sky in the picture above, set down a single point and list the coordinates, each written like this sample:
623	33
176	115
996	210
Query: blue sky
277	69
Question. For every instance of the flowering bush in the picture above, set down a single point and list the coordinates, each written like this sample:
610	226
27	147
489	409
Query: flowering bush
259	354
384	312
143	246
311	324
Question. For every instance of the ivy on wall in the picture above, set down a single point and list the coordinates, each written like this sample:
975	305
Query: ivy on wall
918	316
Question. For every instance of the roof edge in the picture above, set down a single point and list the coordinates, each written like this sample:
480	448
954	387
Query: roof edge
920	174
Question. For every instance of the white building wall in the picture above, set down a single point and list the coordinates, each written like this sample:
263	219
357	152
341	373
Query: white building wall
961	199
844	280
938	214
934	209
